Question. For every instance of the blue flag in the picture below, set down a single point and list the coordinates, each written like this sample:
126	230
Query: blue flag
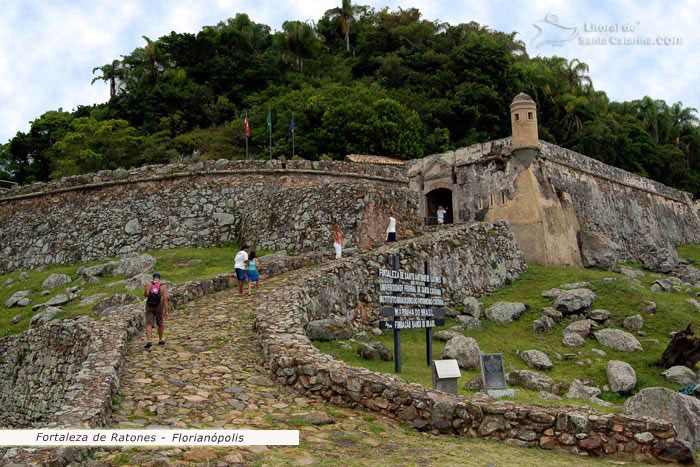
291	124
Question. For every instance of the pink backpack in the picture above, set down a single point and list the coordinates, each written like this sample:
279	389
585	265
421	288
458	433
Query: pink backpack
153	298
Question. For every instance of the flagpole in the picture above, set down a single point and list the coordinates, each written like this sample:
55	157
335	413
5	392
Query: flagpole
270	126
246	135
292	135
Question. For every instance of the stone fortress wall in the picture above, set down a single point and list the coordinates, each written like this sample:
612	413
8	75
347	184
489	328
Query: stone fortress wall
550	195
270	204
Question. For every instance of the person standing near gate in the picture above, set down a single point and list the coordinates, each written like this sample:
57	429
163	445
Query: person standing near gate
391	229
338	241
441	215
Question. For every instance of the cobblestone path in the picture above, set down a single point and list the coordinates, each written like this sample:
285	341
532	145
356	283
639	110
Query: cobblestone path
209	375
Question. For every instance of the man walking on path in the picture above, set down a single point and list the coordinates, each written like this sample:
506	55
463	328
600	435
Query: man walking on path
156	309
240	262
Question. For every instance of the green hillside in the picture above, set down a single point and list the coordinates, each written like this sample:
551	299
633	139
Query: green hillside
621	296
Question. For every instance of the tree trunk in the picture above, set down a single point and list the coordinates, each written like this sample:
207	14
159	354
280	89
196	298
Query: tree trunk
684	349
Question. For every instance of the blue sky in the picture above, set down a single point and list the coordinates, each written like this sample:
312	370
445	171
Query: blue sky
48	48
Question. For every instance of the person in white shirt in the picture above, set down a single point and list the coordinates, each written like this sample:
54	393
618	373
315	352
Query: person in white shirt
239	264
441	215
391	230
338	241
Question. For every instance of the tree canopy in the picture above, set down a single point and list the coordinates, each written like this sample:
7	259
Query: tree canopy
358	80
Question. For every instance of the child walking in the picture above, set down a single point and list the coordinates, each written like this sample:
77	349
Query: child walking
253	267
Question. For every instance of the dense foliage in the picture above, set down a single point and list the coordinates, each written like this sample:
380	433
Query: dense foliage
357	81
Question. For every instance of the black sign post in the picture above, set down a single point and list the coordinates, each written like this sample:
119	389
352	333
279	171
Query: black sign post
413	311
428	331
397	332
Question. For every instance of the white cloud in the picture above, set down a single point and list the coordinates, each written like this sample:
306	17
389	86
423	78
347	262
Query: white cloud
48	49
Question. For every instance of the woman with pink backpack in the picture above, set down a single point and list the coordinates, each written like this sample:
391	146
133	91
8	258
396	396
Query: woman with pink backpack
156	309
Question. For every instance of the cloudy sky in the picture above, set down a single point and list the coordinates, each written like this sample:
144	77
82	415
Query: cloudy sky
48	48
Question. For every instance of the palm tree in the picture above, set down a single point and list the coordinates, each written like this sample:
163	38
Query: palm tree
346	13
577	75
112	72
681	118
299	42
146	63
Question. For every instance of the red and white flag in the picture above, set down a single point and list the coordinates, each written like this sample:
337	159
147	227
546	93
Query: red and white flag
246	126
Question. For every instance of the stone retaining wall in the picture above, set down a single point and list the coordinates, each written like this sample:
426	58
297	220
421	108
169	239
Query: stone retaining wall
64	374
293	360
267	204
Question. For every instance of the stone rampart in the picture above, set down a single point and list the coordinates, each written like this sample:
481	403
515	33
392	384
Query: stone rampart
340	288
552	194
630	210
272	205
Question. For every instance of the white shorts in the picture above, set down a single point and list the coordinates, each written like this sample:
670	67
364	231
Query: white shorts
338	250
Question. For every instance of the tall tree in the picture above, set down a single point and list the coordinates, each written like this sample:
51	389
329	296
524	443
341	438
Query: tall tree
299	42
346	12
112	73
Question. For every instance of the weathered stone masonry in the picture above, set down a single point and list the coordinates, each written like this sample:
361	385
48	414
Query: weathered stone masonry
269	204
551	194
66	372
345	289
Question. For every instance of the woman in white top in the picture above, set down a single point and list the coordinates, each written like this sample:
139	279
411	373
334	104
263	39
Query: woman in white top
391	230
441	215
337	241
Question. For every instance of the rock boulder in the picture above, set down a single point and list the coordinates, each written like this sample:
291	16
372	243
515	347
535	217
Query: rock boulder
40	319
468	322
574	301
598	251
681	410
328	329
633	323
530	380
543	324
573	340
131	265
505	312
56	280
581	327
618	340
374	351
659	259
472	307
621	376
536	359
680	375
463	349
16	298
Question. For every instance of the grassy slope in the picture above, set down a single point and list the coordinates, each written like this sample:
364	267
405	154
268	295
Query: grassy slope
620	297
177	266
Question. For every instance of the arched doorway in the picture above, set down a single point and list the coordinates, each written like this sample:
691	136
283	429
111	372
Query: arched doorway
433	200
